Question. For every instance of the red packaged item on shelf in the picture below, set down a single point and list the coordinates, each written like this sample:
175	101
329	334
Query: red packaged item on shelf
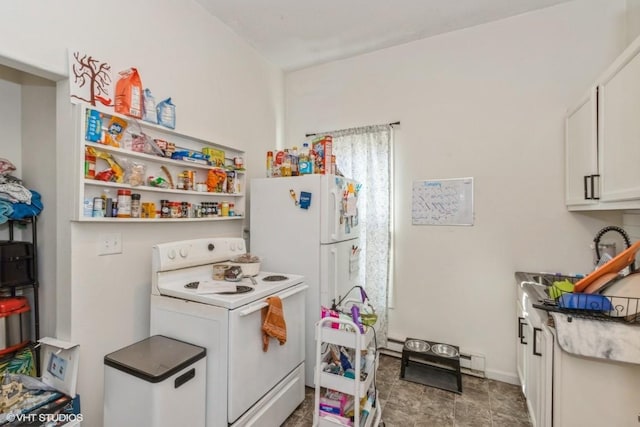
128	99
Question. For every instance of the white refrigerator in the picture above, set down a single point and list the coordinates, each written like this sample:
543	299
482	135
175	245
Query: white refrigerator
308	225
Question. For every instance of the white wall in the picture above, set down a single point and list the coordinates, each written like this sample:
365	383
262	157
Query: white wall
633	20
486	102
224	92
10	142
38	121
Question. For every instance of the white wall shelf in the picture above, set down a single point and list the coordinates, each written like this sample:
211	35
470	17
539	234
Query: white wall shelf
159	189
154	166
156	220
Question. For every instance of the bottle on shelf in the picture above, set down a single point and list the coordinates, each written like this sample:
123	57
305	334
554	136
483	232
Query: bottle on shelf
285	168
293	154
106	200
269	164
312	161
304	166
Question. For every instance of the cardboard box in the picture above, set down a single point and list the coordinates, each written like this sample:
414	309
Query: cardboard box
58	404
323	148
216	157
60	364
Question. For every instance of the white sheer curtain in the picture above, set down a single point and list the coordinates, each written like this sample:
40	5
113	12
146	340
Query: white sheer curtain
365	154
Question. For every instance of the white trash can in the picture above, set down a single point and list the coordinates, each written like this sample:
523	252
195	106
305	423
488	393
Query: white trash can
155	382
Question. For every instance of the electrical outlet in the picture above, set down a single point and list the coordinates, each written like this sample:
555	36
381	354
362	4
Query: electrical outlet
109	244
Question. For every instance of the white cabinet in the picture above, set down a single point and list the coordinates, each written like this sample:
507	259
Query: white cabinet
185	174
535	361
360	386
582	187
602	140
521	344
565	390
594	392
619	130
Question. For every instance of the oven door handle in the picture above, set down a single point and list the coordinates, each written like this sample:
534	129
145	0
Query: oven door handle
264	304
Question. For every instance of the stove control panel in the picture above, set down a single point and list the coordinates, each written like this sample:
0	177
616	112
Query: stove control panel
189	253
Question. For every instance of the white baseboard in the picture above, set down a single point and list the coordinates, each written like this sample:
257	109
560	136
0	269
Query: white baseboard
502	377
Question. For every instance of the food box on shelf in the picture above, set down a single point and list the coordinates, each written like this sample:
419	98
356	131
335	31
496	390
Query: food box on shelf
216	157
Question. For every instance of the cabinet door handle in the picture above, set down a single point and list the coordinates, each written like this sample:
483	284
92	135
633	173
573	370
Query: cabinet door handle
520	319
586	187
595	178
535	336
520	333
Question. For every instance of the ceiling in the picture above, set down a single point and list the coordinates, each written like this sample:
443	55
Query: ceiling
294	34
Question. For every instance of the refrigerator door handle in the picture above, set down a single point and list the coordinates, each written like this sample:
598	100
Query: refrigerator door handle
334	279
334	235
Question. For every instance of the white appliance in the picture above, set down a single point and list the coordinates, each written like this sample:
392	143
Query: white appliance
244	385
319	242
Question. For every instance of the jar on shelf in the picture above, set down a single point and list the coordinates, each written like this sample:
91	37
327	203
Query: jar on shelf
98	207
238	162
135	205
165	209
224	209
231	182
148	210
124	203
188	177
176	209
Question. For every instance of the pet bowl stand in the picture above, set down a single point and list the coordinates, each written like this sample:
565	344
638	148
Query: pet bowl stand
432	369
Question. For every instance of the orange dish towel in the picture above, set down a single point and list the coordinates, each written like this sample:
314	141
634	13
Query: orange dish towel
273	324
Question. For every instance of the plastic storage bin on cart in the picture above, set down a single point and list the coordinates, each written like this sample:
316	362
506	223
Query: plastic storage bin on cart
155	382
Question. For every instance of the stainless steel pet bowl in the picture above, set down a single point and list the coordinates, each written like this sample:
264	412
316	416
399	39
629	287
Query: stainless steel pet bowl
417	345
444	350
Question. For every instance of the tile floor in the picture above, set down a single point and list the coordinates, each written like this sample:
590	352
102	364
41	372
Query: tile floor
482	403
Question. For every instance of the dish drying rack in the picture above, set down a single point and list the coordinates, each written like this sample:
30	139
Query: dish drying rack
592	306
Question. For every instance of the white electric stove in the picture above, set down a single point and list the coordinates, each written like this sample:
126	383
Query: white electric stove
245	385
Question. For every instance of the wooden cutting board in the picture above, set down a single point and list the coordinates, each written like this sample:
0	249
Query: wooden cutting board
615	265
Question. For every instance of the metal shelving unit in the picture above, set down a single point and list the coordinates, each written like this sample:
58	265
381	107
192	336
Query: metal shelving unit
32	221
34	284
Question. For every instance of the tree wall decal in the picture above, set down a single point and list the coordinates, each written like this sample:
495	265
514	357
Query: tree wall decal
89	71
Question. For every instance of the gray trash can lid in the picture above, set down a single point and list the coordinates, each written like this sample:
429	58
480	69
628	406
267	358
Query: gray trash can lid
156	358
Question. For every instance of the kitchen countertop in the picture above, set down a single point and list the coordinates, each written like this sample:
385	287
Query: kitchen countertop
609	340
582	336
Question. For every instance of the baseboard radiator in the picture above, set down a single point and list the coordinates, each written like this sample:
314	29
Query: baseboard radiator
470	363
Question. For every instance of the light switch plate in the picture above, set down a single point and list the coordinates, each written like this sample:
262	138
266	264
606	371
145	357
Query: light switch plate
109	244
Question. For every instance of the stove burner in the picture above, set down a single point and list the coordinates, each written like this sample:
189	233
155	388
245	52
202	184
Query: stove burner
240	289
192	285
275	278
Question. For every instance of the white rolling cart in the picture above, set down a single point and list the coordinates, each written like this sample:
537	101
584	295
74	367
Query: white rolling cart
349	337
